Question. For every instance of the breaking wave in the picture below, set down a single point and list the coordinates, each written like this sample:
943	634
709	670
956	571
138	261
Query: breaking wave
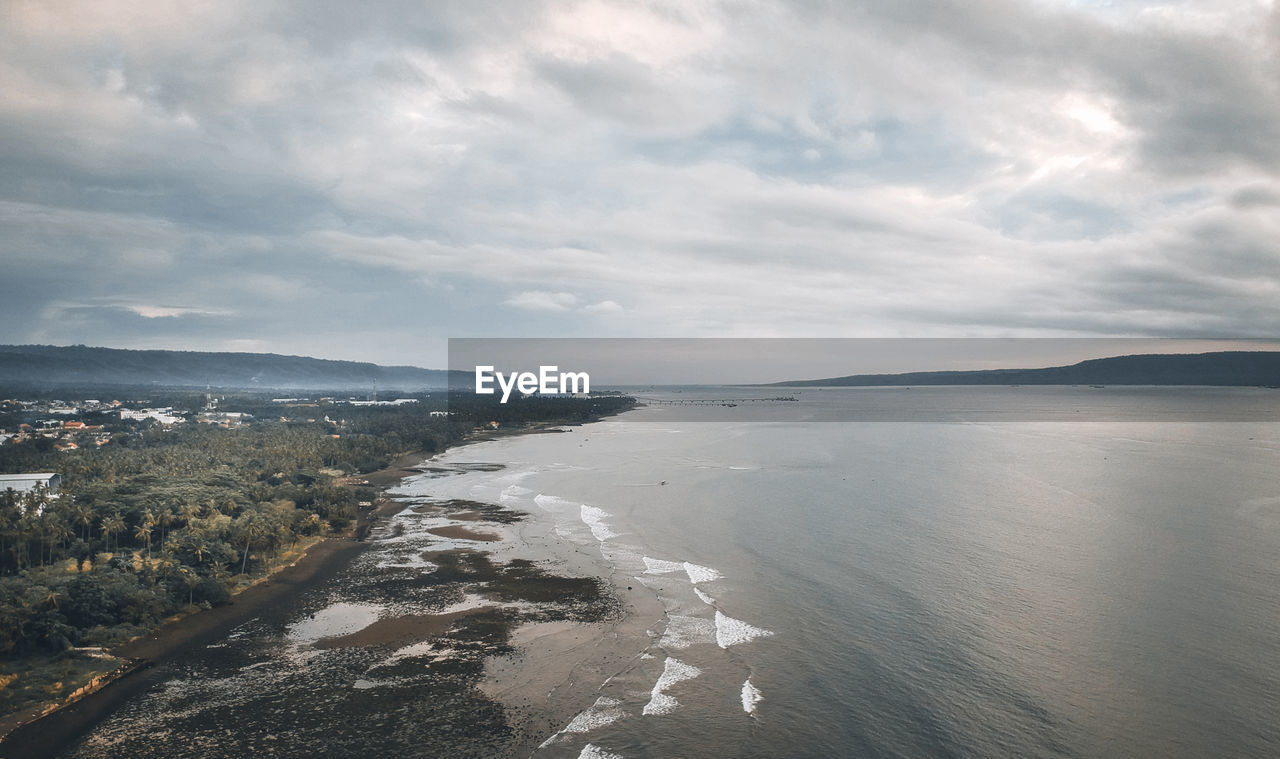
731	632
673	671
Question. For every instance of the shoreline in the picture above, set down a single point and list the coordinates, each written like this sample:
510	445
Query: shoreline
534	694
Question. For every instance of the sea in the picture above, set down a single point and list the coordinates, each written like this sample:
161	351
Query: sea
1097	584
956	572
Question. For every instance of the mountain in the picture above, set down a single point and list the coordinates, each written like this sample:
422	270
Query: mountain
1221	368
52	366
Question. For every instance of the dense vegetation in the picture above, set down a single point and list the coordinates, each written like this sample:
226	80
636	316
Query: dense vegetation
161	519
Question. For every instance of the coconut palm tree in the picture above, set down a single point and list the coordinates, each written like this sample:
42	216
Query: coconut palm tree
112	524
252	529
143	533
58	531
165	519
190	579
82	513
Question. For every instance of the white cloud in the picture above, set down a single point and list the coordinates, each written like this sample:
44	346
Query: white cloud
165	312
603	307
537	300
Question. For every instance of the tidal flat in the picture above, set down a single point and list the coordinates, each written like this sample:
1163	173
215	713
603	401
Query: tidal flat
388	653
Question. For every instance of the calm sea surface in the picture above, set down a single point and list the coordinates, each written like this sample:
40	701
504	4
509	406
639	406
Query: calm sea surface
1055	589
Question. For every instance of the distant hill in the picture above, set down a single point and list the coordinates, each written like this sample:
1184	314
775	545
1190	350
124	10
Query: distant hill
53	366
1222	368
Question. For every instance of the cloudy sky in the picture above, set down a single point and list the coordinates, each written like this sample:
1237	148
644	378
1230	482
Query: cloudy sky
365	180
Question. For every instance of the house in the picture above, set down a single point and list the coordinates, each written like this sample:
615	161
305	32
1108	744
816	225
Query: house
25	483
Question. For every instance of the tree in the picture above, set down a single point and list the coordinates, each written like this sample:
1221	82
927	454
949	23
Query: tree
143	534
165	519
112	524
191	579
82	513
58	531
251	528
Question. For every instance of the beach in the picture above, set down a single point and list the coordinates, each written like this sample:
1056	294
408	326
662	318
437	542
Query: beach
446	596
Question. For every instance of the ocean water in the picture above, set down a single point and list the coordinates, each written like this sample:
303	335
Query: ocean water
921	589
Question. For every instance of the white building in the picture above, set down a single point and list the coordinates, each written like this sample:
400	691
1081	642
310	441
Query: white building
25	483
162	415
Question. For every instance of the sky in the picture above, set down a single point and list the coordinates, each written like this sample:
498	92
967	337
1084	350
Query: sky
366	180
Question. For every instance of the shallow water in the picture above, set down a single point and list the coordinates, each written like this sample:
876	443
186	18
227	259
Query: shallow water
920	589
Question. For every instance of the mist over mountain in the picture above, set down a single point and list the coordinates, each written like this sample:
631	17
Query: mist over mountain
52	366
1235	368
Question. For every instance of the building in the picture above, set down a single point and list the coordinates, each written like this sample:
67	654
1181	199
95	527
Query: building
25	483
161	415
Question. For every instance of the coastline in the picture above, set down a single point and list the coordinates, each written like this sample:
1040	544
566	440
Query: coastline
537	674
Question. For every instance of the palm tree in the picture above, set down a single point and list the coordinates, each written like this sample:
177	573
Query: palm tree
112	524
190	579
166	519
143	533
199	547
37	500
218	571
312	523
58	531
83	513
250	528
26	526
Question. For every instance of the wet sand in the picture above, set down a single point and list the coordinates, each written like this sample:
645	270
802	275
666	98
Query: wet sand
401	631
462	533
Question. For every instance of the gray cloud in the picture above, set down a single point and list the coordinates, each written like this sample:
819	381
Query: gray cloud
361	181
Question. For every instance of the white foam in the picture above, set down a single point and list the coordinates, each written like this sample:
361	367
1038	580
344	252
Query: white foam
603	712
592	751
660	566
660	703
750	697
594	518
514	493
698	573
553	503
673	671
684	631
706	599
731	632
